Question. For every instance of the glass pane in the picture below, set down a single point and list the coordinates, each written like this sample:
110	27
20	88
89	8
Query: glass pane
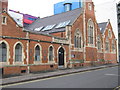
50	54
3	52
18	52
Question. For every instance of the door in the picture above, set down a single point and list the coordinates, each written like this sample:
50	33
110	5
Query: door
61	57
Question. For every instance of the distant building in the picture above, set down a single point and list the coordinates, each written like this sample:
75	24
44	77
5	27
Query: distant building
21	18
118	6
67	5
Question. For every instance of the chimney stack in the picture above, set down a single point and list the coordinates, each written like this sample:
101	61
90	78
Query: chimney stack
4	4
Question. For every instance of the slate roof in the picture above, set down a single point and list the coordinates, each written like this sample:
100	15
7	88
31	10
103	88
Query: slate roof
102	26
55	19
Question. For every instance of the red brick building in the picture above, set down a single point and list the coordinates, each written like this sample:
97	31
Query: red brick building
70	39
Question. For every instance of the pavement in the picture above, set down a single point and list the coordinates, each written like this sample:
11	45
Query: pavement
31	76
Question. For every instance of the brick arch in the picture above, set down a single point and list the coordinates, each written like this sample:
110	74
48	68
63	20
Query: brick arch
90	22
53	54
23	54
40	52
8	51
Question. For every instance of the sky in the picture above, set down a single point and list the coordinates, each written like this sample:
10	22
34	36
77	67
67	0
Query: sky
41	8
104	9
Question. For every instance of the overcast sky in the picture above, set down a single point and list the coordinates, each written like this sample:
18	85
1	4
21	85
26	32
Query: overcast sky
40	8
105	9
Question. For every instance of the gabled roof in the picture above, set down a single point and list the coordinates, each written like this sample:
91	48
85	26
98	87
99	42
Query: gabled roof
55	20
102	26
13	19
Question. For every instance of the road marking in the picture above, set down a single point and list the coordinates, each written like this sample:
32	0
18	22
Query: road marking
49	78
117	88
44	79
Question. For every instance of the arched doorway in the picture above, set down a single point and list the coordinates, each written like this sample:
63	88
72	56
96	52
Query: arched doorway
61	57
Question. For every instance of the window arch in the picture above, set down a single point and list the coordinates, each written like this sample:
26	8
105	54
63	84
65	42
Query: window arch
90	32
3	52
99	43
107	45
18	53
51	53
37	53
78	39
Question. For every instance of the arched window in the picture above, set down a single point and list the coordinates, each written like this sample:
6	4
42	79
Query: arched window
80	42
78	39
107	45
90	32
3	52
37	53
113	46
89	6
109	33
99	43
18	53
50	53
75	41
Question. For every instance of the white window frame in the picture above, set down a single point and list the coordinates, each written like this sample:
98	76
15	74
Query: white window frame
109	33
107	42
77	42
38	62
89	6
53	61
2	64
100	42
23	55
5	20
90	25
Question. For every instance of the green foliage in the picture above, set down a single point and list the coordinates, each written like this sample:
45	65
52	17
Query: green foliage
102	60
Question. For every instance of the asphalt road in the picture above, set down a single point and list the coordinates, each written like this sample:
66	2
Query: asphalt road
103	78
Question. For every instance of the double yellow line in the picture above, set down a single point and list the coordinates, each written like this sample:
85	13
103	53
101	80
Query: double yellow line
117	88
3	86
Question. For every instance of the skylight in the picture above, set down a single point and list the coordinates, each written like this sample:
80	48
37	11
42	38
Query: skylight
38	29
49	27
62	24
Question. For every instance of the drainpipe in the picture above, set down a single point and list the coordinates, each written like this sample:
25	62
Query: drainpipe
84	25
28	44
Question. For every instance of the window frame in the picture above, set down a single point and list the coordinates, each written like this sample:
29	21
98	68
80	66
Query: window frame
99	43
52	59
6	54
5	20
107	46
23	54
77	39
90	32
109	33
89	6
20	51
113	46
35	54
